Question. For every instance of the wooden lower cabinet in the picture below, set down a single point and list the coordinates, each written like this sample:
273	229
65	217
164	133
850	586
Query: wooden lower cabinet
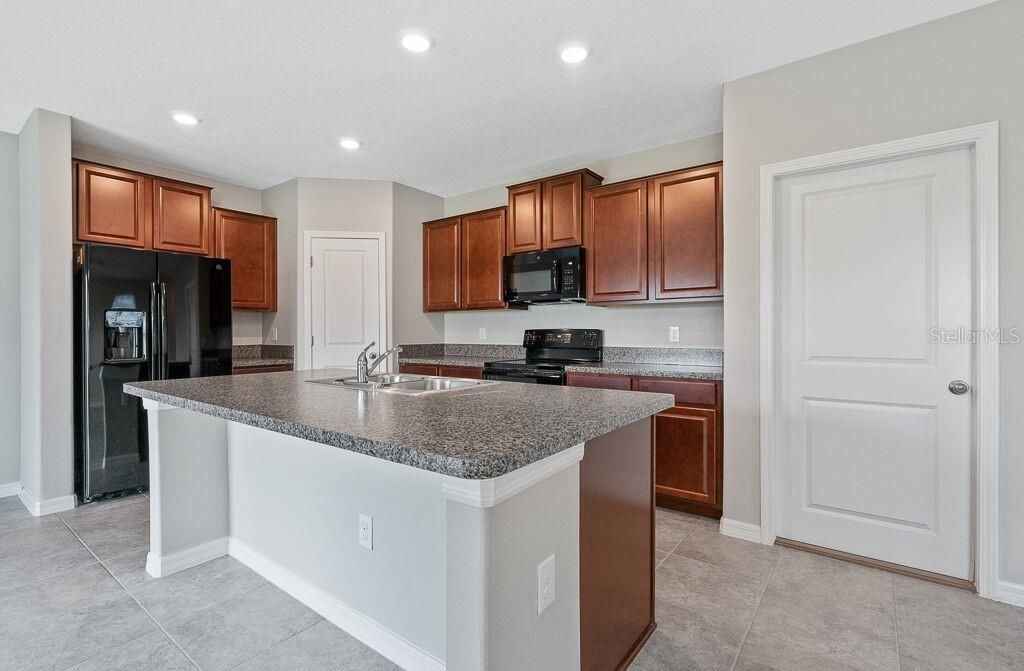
471	372
688	444
417	369
261	369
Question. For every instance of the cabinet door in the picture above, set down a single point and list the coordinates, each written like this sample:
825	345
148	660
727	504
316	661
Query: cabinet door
524	219
562	210
249	241
686	234
441	271
470	372
483	247
417	369
686	454
112	207
615	222
598	381
181	217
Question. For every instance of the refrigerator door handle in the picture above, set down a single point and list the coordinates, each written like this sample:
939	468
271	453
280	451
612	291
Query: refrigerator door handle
163	331
154	350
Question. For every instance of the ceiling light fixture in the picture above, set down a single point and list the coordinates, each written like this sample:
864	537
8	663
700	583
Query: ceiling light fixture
185	119
350	143
573	52
416	42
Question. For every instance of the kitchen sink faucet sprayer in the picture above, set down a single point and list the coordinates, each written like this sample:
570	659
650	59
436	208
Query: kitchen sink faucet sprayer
364	368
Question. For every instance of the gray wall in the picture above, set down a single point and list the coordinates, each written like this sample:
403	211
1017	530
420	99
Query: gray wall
954	72
700	324
10	348
247	325
411	208
44	196
282	201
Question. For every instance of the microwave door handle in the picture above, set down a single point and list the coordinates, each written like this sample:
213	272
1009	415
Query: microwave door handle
556	278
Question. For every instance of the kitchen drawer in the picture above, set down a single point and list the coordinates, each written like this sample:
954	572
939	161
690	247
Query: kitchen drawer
417	369
687	392
598	381
471	372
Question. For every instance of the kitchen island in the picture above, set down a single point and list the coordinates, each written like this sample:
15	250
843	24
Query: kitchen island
433	527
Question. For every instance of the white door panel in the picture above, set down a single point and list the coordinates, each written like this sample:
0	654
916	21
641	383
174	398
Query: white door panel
878	461
345	300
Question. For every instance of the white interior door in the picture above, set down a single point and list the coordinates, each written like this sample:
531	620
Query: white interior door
346	300
876	262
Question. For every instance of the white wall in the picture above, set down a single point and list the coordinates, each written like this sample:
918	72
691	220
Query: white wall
246	324
44	195
411	208
10	347
700	324
308	204
953	72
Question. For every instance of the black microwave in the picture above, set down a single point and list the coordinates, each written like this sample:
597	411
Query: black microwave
553	276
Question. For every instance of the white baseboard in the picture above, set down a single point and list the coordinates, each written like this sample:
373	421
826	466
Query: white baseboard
1010	592
10	489
385	642
742	530
39	508
161	567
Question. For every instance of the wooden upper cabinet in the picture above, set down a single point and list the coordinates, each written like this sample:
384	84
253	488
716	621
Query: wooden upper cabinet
524	218
249	241
562	208
112	206
483	247
686	234
181	217
615	226
442	274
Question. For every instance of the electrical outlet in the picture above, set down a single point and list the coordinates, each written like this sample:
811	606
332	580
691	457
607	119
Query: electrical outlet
273	334
483	333
366	531
545	584
673	334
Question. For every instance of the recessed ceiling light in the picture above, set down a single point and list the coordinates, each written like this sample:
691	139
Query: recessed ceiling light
416	42
573	52
350	143
185	119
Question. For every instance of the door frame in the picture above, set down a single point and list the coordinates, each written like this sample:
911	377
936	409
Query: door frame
983	141
304	327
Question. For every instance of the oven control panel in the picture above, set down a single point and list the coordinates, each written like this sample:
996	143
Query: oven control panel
579	338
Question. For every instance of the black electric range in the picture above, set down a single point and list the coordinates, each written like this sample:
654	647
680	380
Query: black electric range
548	352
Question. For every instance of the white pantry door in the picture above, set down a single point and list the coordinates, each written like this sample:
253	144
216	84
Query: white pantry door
346	306
878	459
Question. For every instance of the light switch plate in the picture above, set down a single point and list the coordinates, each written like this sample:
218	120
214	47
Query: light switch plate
273	334
673	334
483	333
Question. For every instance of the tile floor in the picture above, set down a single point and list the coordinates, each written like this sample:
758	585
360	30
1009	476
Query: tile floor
74	594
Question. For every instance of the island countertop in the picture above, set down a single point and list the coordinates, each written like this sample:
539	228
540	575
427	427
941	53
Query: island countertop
474	433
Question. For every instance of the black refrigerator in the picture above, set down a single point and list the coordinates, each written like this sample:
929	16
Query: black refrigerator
139	315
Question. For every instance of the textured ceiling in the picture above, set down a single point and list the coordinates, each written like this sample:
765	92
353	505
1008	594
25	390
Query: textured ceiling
277	83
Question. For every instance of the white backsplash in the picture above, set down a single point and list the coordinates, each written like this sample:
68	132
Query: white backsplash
700	324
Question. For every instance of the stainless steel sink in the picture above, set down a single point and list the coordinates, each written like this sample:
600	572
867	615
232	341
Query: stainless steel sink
411	385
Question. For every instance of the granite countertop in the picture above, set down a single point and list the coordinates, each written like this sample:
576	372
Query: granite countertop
473	433
669	370
255	356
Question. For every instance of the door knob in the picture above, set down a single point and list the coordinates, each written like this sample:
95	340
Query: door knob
959	387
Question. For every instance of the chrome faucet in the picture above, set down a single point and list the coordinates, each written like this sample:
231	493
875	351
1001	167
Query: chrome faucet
364	368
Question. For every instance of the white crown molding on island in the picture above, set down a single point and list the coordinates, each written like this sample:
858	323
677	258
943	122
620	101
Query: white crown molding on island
983	141
492	491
